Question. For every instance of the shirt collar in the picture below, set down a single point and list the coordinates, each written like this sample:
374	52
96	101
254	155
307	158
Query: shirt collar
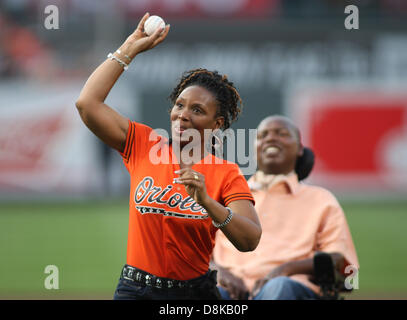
262	181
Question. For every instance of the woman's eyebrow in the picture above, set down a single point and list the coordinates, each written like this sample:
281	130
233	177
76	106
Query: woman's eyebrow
194	104
198	104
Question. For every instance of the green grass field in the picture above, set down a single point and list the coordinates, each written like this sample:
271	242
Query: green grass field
87	242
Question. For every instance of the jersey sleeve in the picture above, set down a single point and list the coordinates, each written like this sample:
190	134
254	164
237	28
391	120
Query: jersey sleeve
235	187
138	141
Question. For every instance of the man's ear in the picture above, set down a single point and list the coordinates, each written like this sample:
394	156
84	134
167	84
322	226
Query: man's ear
300	150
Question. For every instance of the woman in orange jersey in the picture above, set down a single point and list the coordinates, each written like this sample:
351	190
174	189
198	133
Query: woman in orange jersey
180	193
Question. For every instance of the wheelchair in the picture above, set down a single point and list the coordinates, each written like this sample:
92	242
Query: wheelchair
332	283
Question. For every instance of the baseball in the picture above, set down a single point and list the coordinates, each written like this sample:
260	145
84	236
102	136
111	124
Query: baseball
152	24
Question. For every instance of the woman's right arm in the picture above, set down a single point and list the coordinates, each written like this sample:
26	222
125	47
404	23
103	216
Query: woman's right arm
103	121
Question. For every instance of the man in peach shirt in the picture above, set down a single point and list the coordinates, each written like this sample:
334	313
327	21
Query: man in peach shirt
298	220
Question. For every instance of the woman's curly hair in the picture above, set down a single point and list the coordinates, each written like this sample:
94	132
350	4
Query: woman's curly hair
226	95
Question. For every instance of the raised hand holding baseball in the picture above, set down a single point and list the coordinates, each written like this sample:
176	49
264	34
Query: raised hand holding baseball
140	41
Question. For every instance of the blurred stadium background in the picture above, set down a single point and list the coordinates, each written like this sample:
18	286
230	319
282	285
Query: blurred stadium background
64	196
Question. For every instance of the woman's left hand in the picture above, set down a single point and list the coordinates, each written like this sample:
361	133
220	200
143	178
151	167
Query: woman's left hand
194	183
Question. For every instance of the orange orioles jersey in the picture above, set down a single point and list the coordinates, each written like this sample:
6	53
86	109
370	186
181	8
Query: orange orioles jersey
170	235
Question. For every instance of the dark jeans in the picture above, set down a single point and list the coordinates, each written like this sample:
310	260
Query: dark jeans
204	288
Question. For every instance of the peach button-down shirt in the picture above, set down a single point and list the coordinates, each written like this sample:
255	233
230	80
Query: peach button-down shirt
297	220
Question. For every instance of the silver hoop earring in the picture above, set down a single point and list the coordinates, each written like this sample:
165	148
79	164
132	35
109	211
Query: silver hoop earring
215	143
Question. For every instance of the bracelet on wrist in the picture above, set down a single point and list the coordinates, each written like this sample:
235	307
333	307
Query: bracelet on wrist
224	223
111	56
124	55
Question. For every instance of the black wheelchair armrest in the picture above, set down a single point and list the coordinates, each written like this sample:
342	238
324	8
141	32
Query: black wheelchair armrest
327	277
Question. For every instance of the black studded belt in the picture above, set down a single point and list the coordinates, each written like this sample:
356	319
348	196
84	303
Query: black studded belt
148	279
